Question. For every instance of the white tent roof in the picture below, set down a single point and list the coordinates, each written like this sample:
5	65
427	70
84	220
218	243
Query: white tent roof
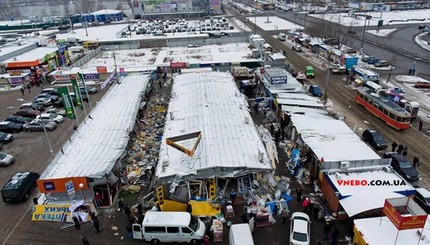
210	102
331	139
300	102
375	195
99	142
382	232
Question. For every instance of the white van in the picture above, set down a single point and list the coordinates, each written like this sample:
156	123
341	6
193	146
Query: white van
240	234
282	36
171	227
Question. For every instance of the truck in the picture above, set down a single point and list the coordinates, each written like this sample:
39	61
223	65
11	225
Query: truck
242	72
90	45
171	227
73	40
282	36
240	234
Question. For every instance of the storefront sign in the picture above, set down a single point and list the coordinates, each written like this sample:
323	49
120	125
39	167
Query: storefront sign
70	188
16	80
403	223
108	80
67	102
92	76
178	65
101	69
51	212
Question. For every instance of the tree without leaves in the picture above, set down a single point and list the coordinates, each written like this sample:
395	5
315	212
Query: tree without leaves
66	7
119	7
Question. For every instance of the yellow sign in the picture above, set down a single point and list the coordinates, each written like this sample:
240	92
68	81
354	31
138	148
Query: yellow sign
358	237
53	212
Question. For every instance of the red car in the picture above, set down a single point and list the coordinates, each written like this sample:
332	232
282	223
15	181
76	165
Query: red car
27	113
422	85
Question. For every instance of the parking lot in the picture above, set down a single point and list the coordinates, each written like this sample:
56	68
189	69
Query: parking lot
30	149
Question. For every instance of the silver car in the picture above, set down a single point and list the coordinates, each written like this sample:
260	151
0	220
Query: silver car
57	111
37	125
6	159
51	117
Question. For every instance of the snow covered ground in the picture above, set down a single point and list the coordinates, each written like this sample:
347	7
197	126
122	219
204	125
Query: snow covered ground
392	17
274	23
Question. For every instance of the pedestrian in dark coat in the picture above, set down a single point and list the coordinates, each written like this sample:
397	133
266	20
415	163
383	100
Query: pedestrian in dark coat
76	222
272	129
405	151
121	205
394	146
420	125
284	215
400	149
22	90
326	231
299	194
334	237
96	222
85	241
127	210
29	87
416	162
160	84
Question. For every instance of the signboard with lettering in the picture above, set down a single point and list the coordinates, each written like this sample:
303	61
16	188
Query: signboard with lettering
51	212
101	69
403	222
178	64
70	188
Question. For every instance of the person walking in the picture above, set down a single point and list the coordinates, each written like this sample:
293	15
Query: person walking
400	149
416	162
120	205
85	241
29	87
284	215
233	195
420	125
76	222
299	194
22	90
394	146
98	199
334	237
127	210
405	151
96	222
326	231
306	205
160	83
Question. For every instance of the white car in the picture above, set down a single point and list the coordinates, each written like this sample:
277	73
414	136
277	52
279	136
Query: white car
297	48
6	159
300	229
56	111
51	117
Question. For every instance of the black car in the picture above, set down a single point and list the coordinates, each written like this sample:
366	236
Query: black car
5	138
18	119
19	187
420	27
402	166
422	197
10	127
376	140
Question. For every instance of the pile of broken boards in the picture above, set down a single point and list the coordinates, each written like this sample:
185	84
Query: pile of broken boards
267	197
145	140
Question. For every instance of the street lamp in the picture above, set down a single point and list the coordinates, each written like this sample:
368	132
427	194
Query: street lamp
368	17
81	186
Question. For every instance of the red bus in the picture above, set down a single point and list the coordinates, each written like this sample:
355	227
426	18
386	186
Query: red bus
382	107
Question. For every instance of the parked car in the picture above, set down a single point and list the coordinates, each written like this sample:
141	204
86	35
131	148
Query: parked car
73	97
18	119
51	91
38	124
422	26
27	113
402	166
10	127
422	85
422	197
6	159
300	229
51	117
372	61
5	138
367	58
90	89
297	48
352	32
57	111
51	97
375	139
44	102
315	90
309	71
382	63
19	187
30	105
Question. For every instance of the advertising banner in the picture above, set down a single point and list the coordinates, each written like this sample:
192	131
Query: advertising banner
101	69
400	222
78	96
67	102
51	212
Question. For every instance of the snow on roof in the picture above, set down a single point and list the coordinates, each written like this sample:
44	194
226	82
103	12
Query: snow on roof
383	232
351	195
35	54
106	11
277	56
291	85
300	102
331	139
211	103
99	142
303	110
136	59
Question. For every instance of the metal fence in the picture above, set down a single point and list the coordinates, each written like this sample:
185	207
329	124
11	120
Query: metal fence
86	58
205	41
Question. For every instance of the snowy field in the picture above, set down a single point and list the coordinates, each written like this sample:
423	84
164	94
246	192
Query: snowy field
272	23
393	17
138	59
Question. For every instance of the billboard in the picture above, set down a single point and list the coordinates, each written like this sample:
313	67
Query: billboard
403	222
